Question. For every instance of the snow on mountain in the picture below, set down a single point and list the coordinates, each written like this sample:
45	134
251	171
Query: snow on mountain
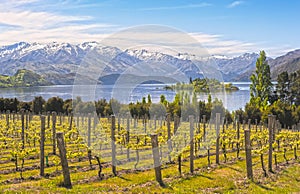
60	60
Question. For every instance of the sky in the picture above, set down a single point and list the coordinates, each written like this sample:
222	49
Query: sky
224	27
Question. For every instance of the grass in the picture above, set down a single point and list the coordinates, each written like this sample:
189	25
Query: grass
225	178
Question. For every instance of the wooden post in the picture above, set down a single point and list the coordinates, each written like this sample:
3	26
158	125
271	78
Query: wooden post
89	130
204	128
145	128
64	161
176	123
191	119
23	129
128	137
238	136
113	145
270	127
48	120
218	116
42	146
7	118
71	121
60	118
157	165
13	116
256	125
26	119
179	164
154	118
96	121
82	119
77	121
169	136
119	122
134	122
54	132
161	121
248	154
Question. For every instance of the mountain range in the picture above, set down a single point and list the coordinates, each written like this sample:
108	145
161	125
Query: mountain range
58	62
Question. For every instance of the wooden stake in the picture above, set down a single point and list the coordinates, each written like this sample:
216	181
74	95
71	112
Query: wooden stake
42	147
64	161
113	145
191	119
157	165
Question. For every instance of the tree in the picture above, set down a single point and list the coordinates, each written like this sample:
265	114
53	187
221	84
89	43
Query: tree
253	112
288	88
283	86
38	104
68	106
55	104
261	85
295	88
11	104
2	104
100	106
240	115
24	105
149	99
284	113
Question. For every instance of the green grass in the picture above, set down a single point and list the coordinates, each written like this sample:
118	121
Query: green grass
225	178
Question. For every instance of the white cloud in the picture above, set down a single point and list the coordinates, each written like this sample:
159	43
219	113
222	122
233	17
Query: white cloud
216	45
177	7
235	3
20	24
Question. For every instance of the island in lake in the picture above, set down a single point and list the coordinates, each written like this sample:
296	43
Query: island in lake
203	85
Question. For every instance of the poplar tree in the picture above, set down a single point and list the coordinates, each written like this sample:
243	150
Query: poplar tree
261	85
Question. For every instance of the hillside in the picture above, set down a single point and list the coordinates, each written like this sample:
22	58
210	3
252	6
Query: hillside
289	62
58	62
23	78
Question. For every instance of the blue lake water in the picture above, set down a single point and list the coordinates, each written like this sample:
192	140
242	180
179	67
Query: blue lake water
232	100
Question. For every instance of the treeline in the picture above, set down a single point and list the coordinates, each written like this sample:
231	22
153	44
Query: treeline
39	105
282	100
182	106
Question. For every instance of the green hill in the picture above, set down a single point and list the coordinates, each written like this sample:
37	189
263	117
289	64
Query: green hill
23	78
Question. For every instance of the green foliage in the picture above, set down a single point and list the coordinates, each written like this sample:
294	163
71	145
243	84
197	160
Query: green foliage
287	88
260	88
284	112
253	112
11	104
38	104
295	88
240	115
54	104
203	85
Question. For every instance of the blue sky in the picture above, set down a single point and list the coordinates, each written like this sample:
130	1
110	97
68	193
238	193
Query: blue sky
225	27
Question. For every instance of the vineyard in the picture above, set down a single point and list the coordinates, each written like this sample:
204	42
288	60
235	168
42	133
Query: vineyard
86	153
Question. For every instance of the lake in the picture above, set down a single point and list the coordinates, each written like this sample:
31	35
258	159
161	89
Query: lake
232	100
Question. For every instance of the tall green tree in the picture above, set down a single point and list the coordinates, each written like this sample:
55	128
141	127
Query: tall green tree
261	85
55	104
38	104
283	86
295	88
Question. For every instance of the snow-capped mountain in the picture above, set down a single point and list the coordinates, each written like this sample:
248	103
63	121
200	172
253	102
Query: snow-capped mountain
233	68
58	62
54	59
